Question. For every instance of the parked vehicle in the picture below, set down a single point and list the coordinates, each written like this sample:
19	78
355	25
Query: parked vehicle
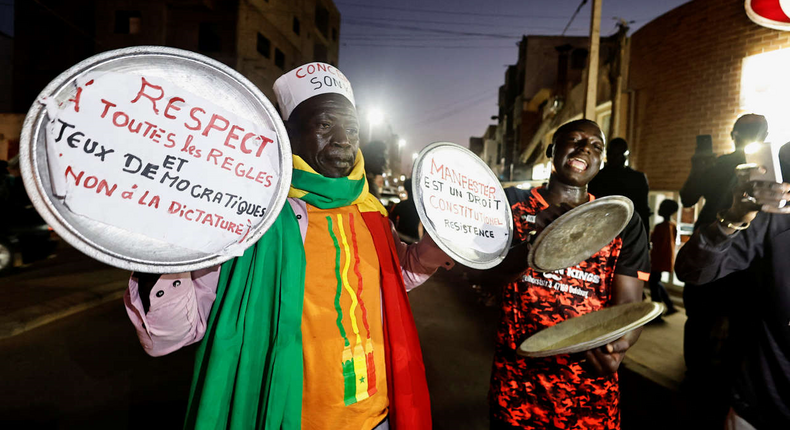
25	239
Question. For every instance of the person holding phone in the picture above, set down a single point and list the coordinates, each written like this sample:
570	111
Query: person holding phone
712	329
754	231
707	178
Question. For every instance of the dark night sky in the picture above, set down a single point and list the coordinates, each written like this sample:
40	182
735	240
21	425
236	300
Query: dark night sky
434	66
7	17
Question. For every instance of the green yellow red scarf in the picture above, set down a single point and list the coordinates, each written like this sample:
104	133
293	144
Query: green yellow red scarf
248	370
327	193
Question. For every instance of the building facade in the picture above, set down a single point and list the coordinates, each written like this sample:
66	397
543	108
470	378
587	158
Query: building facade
543	90
261	39
690	75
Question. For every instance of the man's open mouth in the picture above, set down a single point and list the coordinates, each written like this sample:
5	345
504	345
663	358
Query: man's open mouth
577	164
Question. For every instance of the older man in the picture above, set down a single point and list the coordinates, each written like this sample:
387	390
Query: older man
311	328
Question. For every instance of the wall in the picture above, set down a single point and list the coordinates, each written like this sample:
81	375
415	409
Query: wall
49	37
541	62
6	72
274	19
151	30
685	70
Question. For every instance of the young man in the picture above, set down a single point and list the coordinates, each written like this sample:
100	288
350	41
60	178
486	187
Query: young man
563	391
311	328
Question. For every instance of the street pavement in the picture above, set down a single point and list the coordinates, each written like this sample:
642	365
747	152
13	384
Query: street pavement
47	290
88	371
81	366
457	336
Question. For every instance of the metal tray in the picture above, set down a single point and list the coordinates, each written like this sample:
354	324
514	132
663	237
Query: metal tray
459	252
118	247
590	330
579	233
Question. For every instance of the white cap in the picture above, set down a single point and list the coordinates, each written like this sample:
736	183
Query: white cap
307	81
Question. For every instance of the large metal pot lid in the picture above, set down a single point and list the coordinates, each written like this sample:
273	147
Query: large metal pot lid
462	205
155	159
590	330
579	233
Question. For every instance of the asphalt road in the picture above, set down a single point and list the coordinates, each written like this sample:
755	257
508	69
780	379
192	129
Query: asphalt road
64	273
88	370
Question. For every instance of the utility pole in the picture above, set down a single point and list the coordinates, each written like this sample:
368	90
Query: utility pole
617	75
591	85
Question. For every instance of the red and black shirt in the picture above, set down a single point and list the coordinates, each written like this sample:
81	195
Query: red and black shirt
556	392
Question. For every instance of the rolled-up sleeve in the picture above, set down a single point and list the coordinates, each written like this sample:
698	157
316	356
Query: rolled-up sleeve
180	304
420	260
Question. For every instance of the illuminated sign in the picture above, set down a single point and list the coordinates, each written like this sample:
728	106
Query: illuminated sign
769	13
765	91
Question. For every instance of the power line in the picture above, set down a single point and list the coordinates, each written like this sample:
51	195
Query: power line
407	35
584	2
432	30
494	15
451	112
413	37
430	46
467	99
465	23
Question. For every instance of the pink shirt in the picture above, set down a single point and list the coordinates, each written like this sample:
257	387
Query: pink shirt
181	302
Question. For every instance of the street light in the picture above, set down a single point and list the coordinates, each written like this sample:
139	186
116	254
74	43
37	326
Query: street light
375	117
401	143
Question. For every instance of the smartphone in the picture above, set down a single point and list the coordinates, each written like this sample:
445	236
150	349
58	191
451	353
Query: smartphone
766	155
704	145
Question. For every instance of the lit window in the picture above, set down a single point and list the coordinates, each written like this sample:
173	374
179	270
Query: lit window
127	21
764	91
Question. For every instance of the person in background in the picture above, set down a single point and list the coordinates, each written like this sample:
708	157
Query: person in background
6	187
618	179
405	217
714	181
714	329
6	182
662	253
562	391
752	232
375	153
311	328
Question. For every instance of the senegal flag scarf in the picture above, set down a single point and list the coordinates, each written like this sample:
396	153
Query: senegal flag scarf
248	371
